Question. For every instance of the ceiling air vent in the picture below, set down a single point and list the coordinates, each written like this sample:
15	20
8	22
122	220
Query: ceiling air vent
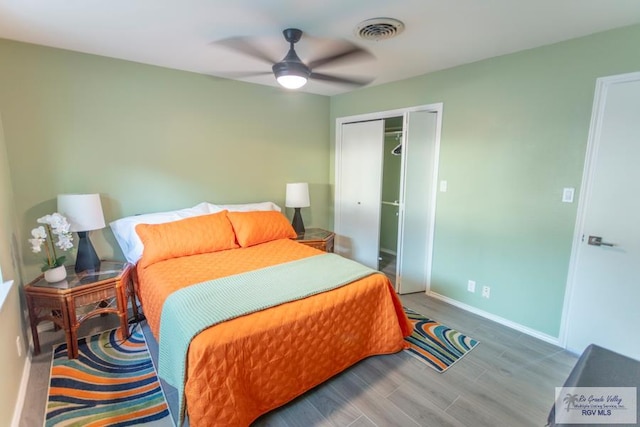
379	29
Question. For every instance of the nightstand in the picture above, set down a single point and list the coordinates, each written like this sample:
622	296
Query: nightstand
317	238
79	297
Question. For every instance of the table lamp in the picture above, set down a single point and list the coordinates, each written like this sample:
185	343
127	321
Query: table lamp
84	213
297	197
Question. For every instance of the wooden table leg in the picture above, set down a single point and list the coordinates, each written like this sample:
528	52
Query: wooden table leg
72	344
71	327
131	292
34	327
121	295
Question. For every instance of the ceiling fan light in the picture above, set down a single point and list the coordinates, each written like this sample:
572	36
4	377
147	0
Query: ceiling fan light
291	73
291	81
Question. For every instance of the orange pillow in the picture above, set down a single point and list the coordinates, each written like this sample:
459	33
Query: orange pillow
255	227
190	236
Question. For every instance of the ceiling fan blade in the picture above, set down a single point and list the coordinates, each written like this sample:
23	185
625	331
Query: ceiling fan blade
350	52
243	45
344	80
243	74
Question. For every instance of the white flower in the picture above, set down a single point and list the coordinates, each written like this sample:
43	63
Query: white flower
44	220
36	245
39	233
57	221
65	241
54	224
63	228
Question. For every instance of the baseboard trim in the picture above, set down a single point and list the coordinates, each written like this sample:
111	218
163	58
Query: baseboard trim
513	325
22	392
388	251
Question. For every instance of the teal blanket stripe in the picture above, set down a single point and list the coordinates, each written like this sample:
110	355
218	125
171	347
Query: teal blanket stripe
190	310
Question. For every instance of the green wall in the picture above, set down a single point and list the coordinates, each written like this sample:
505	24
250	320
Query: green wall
148	138
11	318
514	133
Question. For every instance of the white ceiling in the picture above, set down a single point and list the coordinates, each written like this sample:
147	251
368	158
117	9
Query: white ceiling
181	34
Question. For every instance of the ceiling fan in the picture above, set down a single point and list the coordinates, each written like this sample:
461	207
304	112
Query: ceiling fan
291	72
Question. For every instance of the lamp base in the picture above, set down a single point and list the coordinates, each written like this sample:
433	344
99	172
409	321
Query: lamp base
297	223
86	259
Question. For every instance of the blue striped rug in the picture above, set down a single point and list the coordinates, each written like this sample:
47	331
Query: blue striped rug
435	344
109	384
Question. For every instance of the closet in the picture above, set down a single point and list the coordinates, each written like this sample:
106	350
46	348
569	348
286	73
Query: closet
369	194
390	203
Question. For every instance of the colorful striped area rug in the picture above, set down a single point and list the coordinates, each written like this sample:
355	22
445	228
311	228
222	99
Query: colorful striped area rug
435	344
111	383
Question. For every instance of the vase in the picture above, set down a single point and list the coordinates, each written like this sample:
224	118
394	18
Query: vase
55	274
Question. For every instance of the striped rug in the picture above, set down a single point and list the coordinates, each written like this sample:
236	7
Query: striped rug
435	344
111	383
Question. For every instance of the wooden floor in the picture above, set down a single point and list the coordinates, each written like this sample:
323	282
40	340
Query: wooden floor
508	380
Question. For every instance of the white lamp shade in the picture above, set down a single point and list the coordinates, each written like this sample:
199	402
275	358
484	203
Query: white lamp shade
297	195
83	211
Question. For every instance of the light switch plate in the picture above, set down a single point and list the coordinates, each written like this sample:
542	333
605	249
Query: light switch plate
567	195
443	186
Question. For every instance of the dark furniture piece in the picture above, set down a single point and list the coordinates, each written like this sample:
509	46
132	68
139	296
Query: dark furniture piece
599	367
317	238
79	297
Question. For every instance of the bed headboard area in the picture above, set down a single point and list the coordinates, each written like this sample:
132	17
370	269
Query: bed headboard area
124	229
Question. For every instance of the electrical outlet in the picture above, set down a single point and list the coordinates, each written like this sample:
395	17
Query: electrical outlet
486	292
19	346
471	286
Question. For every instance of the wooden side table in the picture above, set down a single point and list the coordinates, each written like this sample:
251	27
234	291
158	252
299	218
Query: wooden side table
317	238
81	296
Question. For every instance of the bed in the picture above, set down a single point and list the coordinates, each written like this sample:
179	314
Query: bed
243	367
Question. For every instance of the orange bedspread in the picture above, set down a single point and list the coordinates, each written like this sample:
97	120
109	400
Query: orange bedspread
242	368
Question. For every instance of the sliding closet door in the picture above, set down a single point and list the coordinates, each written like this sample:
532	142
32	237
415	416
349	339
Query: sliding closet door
416	207
358	191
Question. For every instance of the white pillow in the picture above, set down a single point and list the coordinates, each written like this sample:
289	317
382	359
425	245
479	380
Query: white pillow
124	229
261	206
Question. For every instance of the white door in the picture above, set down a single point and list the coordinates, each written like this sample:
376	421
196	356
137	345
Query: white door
358	191
604	303
416	204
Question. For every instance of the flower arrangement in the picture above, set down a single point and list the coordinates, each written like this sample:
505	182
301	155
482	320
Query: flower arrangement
53	225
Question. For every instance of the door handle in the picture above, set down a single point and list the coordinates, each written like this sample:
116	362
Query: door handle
597	241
